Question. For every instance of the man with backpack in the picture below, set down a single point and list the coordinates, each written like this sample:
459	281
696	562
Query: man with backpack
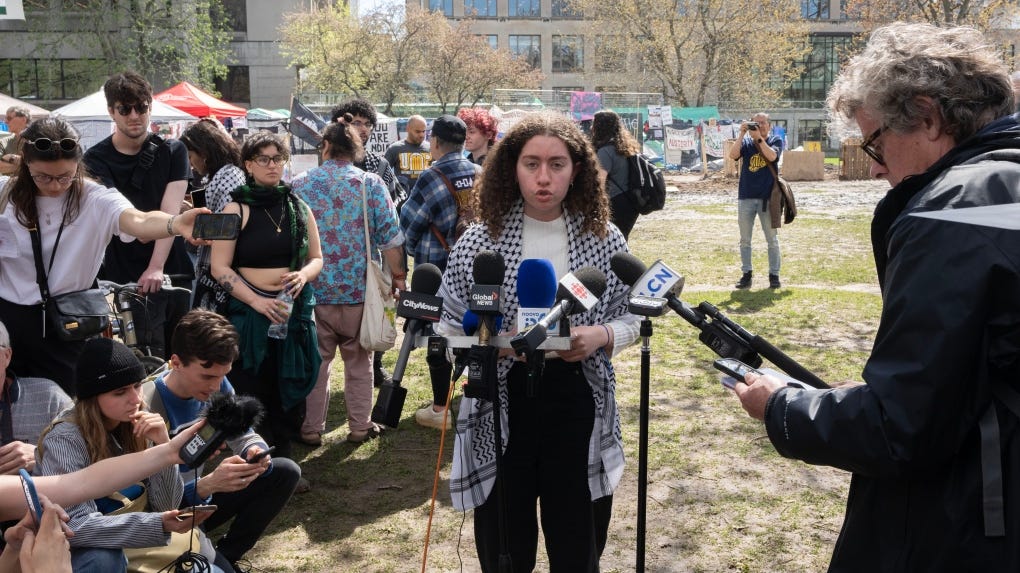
434	215
760	151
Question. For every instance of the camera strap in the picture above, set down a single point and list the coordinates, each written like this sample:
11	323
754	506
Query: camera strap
153	143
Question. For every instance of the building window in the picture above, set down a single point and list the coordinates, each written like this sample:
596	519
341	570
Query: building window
820	68
236	86
528	47
444	6
491	39
237	15
524	8
564	9
814	9
810	130
568	53
50	79
480	8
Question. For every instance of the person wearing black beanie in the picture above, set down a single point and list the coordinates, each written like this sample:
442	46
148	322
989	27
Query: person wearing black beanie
109	418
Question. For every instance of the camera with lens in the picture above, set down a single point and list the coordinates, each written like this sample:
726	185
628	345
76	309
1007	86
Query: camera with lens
752	126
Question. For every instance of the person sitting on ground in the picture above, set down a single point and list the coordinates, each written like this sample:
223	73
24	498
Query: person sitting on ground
27	407
109	419
203	348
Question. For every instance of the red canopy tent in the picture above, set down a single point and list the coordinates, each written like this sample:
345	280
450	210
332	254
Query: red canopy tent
190	99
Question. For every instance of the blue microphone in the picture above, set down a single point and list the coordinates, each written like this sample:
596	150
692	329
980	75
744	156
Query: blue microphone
536	292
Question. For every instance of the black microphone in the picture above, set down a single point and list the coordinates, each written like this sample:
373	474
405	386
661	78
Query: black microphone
486	303
420	307
663	282
487	292
577	292
228	416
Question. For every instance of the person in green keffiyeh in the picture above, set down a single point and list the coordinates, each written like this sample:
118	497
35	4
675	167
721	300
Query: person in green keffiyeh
277	249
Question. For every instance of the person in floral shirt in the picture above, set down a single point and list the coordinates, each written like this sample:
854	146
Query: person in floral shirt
333	191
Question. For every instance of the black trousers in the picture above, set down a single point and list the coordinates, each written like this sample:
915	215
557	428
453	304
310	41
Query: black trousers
156	316
35	355
278	426
624	214
546	461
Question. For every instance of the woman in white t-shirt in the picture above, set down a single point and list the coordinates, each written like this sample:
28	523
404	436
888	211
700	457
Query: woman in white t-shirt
51	193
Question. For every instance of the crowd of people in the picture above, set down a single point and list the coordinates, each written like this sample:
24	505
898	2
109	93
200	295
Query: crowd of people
931	436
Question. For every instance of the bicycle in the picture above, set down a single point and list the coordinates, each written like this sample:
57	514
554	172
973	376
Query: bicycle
122	325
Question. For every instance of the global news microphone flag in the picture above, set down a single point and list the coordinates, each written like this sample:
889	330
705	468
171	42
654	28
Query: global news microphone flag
305	124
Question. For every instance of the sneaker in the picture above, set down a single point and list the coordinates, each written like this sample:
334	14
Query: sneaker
313	439
362	436
745	281
431	419
774	281
380	376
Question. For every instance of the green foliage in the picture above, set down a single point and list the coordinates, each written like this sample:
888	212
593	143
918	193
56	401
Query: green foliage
162	40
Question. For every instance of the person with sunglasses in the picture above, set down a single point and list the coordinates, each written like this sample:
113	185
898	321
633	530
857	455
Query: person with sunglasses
760	150
75	218
277	250
933	437
153	174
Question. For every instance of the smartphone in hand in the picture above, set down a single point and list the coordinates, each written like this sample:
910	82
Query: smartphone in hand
735	370
217	226
258	457
189	512
31	497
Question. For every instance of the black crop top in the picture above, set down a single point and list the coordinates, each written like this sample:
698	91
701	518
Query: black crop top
260	245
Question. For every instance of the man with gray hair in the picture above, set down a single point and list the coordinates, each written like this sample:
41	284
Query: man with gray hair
27	406
18	117
933	437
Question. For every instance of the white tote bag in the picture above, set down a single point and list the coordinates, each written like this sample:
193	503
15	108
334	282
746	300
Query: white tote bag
378	326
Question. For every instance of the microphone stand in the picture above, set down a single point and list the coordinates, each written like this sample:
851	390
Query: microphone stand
646	362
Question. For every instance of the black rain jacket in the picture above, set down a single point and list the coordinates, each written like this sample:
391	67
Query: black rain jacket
949	334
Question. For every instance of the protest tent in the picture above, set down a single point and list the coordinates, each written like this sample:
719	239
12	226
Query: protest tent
196	102
92	118
36	112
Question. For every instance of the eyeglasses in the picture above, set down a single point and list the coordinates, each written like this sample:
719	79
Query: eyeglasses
359	123
140	109
46	144
320	146
868	146
43	179
263	160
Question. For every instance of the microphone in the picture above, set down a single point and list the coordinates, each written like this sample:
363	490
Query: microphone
228	416
420	307
577	292
487	292
486	303
470	325
664	281
536	292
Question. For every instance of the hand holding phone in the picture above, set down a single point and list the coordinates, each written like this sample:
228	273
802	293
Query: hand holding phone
735	370
31	497
258	457
189	512
217	226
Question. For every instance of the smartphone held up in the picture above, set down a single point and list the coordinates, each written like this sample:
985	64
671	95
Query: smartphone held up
217	226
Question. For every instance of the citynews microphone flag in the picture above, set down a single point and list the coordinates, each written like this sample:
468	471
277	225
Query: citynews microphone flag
305	124
12	10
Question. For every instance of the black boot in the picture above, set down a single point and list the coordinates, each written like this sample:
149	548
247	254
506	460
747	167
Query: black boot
379	375
745	281
774	281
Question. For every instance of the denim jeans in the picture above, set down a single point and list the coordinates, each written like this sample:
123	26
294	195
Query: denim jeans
98	560
747	209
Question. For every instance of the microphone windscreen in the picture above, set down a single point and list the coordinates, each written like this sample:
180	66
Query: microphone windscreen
233	414
488	268
426	279
627	267
536	283
593	279
470	323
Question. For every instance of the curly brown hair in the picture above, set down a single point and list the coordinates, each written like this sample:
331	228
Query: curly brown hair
498	190
21	188
210	142
607	129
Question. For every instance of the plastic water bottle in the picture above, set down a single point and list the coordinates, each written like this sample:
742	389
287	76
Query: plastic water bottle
285	303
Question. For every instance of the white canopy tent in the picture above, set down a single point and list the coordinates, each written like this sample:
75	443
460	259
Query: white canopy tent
92	119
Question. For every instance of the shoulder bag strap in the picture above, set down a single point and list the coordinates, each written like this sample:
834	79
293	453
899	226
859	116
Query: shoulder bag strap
40	272
7	430
433	227
145	159
364	213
